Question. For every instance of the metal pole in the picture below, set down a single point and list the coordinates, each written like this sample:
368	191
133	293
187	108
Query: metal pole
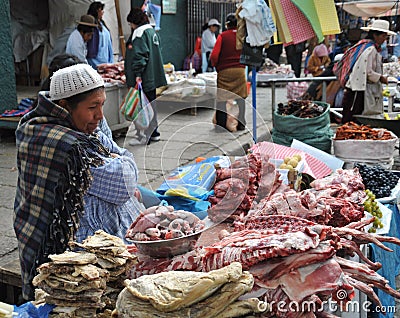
273	97
324	91
254	101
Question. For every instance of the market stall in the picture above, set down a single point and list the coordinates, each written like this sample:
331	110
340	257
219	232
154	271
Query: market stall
370	8
185	88
270	70
318	221
281	231
182	87
391	102
116	89
296	22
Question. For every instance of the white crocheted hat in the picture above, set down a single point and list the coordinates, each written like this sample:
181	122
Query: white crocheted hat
73	80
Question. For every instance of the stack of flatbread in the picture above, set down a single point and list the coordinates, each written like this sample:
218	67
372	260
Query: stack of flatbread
73	283
113	256
179	294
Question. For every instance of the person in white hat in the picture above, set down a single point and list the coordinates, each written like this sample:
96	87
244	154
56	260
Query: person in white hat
72	179
77	41
208	40
360	72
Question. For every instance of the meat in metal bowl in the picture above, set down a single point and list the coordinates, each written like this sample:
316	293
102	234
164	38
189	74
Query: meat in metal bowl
168	248
164	232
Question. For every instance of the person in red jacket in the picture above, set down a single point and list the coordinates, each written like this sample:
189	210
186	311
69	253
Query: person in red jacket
231	75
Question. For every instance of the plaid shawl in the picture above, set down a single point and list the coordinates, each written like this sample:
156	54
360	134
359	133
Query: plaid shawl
53	164
344	67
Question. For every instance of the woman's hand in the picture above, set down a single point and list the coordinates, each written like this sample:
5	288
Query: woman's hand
138	79
383	79
138	195
114	155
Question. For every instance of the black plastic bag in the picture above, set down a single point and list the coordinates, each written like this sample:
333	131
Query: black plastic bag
251	55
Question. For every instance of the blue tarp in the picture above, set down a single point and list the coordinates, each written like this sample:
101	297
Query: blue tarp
188	187
390	264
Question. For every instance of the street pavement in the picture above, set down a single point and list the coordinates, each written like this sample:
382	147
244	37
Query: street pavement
184	137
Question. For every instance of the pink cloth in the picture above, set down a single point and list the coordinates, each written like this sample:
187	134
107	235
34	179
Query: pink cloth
321	50
299	26
314	167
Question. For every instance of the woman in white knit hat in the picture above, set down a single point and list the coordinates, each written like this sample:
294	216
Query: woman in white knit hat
208	39
72	179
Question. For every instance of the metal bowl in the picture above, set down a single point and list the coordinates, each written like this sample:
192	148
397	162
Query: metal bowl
172	247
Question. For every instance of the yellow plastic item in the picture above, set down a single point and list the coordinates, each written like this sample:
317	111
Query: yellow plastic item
182	192
386	116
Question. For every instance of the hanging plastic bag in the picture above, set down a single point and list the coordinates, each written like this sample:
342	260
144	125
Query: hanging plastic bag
137	108
129	107
146	112
251	55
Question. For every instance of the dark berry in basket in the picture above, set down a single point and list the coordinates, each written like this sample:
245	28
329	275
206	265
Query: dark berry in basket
379	180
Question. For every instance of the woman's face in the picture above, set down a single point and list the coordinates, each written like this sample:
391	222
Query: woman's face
100	13
133	25
88	113
87	36
214	28
379	39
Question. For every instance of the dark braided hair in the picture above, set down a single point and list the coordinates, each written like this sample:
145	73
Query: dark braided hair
93	10
58	62
137	16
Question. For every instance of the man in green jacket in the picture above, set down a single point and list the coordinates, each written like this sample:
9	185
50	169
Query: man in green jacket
143	63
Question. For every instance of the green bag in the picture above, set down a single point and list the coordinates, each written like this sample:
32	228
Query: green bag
321	141
315	132
295	125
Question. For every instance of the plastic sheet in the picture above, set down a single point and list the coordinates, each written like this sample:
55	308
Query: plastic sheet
390	262
29	310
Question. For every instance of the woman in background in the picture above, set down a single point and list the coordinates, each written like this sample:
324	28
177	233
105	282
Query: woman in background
364	77
100	48
231	75
143	63
319	60
77	41
207	44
